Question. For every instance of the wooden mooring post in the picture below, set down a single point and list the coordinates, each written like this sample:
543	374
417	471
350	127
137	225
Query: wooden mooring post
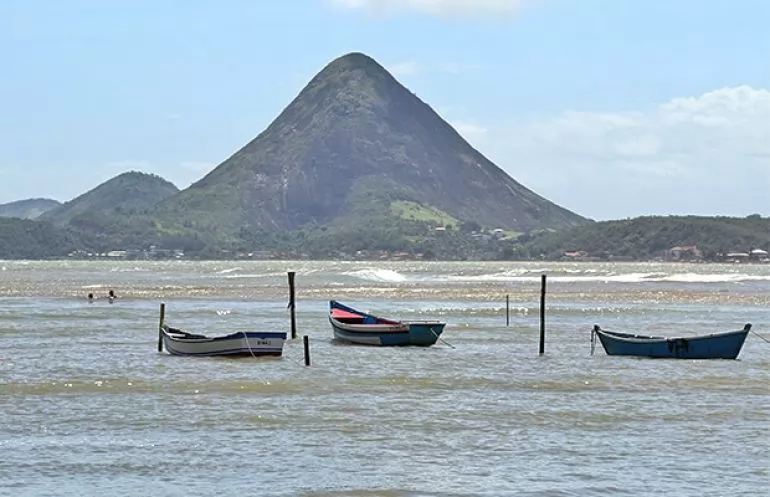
306	340
160	326
292	306
507	310
542	315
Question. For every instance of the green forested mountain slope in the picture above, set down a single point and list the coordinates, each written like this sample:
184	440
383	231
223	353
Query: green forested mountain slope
28	239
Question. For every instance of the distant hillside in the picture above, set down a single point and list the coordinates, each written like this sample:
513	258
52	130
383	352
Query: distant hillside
26	239
29	208
648	237
125	194
358	152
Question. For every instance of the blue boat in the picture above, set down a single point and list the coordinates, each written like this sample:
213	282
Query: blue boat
725	345
351	325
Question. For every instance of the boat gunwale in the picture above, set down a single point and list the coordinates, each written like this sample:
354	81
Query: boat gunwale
186	337
379	329
633	338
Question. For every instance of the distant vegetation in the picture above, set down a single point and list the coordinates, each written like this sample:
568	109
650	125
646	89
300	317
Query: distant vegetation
679	238
26	239
643	238
404	209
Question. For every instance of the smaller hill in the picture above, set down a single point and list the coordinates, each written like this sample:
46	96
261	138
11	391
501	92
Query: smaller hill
128	193
29	208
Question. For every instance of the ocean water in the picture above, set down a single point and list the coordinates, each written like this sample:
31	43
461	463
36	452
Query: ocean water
89	407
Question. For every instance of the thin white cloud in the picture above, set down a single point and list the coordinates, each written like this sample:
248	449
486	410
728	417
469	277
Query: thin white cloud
705	155
452	8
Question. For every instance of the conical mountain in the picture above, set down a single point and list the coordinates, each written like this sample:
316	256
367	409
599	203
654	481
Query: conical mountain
352	136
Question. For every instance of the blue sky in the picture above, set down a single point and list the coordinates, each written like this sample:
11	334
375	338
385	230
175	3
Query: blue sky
613	108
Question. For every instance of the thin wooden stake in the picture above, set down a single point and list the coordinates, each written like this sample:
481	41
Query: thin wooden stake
542	315
160	326
507	311
306	340
292	306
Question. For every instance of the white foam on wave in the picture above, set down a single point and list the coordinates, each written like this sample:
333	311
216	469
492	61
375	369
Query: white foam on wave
591	276
713	278
231	273
504	276
663	278
518	277
246	275
132	269
373	274
229	270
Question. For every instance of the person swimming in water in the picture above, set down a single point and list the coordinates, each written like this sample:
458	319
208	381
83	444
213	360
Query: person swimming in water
90	298
111	297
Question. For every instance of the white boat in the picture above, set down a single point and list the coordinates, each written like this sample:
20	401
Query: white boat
239	343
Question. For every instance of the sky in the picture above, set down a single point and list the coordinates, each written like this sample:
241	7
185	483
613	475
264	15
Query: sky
610	108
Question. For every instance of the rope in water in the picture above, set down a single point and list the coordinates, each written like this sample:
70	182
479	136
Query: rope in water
248	346
760	336
441	339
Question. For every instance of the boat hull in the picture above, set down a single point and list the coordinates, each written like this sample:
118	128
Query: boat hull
239	344
419	334
353	326
726	345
